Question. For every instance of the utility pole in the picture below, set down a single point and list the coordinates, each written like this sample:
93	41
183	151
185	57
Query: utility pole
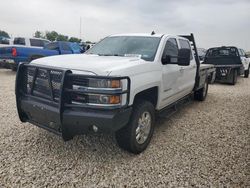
80	27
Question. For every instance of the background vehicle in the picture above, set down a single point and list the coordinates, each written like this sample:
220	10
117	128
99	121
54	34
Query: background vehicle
14	55
245	61
229	63
118	86
5	41
201	53
20	42
30	42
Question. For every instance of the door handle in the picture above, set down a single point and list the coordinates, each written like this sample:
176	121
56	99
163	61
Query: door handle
181	69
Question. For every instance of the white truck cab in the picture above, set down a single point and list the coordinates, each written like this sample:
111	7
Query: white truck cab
116	86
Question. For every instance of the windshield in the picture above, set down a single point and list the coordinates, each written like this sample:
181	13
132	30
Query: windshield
221	52
144	47
75	47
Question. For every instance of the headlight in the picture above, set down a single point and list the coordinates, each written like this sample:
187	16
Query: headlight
104	83
101	92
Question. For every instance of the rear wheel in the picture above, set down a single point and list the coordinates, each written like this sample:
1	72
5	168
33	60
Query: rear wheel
201	94
246	73
235	77
136	136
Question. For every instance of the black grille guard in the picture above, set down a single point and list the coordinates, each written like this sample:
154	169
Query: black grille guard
65	87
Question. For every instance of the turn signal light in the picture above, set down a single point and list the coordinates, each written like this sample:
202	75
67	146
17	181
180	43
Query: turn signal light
114	99
115	83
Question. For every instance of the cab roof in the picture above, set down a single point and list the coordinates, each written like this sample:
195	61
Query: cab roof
140	34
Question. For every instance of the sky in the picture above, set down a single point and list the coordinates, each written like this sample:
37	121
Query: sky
213	22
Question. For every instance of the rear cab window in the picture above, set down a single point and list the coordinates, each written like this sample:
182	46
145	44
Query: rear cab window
222	52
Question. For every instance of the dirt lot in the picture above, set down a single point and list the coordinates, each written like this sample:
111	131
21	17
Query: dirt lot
204	144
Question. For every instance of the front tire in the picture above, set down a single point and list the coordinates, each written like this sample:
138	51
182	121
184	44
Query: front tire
136	135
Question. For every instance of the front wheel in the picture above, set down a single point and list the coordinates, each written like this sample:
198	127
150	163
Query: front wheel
136	135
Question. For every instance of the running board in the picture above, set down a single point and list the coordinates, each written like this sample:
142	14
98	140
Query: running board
174	107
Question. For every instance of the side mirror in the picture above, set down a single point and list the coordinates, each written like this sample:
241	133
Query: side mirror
246	56
184	57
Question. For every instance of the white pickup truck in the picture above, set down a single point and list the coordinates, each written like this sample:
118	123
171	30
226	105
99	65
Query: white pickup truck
119	85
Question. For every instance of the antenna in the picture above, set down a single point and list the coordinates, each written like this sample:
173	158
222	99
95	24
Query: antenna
80	27
153	32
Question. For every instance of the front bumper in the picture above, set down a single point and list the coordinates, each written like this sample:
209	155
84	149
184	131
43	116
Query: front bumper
73	121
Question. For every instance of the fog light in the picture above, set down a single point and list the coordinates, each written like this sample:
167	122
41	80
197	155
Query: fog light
95	128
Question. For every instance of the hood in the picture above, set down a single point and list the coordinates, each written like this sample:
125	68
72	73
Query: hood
90	64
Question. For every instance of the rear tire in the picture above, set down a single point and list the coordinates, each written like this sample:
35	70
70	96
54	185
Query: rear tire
201	94
136	135
235	77
246	73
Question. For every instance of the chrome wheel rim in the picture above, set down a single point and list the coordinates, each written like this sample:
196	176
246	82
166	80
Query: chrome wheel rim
143	128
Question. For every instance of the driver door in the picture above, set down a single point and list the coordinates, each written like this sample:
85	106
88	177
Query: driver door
171	74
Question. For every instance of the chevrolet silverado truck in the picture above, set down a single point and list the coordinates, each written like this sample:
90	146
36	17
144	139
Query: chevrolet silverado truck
118	86
229	62
13	55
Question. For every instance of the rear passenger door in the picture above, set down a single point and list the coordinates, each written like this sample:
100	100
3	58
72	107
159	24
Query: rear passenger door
187	73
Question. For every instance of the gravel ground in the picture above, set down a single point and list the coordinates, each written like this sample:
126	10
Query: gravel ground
206	144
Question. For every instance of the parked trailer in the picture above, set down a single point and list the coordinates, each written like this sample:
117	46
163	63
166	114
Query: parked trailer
229	62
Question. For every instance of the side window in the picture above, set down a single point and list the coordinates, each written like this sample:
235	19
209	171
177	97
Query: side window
65	47
185	44
171	49
36	42
4	41
52	46
242	53
19	41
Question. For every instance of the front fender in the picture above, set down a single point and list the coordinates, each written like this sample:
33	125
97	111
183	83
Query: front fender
142	82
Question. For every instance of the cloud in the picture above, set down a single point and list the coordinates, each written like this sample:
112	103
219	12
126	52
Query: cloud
214	23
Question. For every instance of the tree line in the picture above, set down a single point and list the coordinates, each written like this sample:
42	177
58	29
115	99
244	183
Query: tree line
49	35
55	36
